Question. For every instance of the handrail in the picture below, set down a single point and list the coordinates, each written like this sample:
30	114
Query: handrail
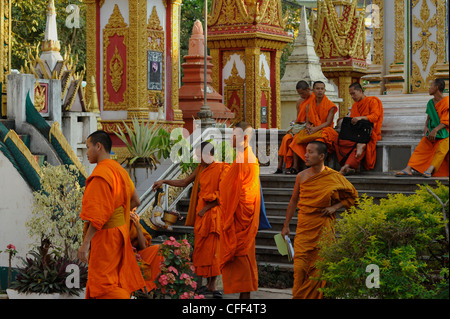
174	170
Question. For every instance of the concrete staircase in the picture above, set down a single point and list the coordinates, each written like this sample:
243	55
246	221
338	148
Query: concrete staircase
277	191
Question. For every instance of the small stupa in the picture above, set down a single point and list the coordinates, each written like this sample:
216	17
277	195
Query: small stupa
191	95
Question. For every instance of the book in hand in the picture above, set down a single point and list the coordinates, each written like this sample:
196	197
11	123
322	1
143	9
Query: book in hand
284	246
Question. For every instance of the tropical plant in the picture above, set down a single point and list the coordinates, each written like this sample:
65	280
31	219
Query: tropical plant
57	208
144	143
403	236
46	272
176	279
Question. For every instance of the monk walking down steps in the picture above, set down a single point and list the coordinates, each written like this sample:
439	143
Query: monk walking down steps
113	272
318	193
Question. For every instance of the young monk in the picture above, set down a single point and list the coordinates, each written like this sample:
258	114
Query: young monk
319	123
365	108
113	269
141	240
240	200
285	154
207	218
431	155
318	193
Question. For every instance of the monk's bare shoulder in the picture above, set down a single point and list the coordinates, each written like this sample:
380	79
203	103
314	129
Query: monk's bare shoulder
303	175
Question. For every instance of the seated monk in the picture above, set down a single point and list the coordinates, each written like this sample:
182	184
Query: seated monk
285	154
430	157
319	125
349	153
240	201
141	240
318	193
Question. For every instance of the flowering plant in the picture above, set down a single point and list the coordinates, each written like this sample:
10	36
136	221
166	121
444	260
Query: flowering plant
11	250
176	279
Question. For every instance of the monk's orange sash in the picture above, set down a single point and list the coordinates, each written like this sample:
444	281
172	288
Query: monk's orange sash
117	219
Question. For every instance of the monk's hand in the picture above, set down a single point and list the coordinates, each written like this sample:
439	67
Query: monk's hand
157	184
134	217
432	136
328	211
285	231
355	120
83	252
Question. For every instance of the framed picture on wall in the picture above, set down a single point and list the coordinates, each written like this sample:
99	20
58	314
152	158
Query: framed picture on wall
154	70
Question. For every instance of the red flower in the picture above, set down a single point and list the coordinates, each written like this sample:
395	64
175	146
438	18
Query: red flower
11	246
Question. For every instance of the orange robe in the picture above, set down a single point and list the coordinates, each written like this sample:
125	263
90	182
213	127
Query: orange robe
317	115
151	258
371	107
240	201
207	227
113	271
316	193
285	151
434	153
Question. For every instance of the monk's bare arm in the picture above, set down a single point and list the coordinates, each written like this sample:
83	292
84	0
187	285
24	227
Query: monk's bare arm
142	242
85	246
135	200
207	207
328	211
292	206
326	123
177	182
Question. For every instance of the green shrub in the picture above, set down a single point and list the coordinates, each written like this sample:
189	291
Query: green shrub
403	235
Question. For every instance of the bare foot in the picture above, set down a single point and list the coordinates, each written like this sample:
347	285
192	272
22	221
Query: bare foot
360	148
344	169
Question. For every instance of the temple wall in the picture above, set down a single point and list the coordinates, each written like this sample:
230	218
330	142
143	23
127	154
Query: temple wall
16	200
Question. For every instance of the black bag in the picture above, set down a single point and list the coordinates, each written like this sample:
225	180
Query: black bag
360	132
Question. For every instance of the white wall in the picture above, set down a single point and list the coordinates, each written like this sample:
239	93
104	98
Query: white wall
16	199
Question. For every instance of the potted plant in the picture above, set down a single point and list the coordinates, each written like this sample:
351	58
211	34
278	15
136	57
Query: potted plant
146	145
55	222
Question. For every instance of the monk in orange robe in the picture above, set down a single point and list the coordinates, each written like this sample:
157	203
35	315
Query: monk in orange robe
365	108
204	214
142	240
319	124
318	193
240	200
431	155
285	154
113	272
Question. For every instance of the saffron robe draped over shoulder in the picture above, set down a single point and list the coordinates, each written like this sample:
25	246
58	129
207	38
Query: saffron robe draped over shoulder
285	151
434	153
240	200
372	108
207	228
317	115
316	193
149	255
113	271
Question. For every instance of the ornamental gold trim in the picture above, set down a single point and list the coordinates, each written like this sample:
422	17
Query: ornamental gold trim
12	135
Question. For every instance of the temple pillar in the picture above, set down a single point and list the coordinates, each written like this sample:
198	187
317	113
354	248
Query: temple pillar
5	51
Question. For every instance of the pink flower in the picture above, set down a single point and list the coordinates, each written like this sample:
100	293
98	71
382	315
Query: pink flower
184	296
11	246
173	269
177	252
168	243
192	267
163	280
194	285
172	238
199	297
176	244
184	276
185	241
171	278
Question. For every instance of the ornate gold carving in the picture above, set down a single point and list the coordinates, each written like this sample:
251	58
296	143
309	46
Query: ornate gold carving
116	70
39	96
424	43
175	9
5	39
116	26
91	43
399	54
441	30
378	33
